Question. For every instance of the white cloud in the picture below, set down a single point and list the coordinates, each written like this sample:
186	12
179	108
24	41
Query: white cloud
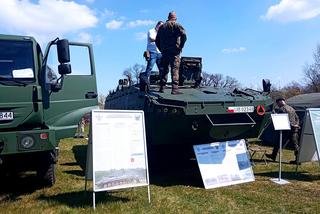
108	13
139	22
293	10
45	19
233	50
114	24
84	37
117	24
141	36
88	38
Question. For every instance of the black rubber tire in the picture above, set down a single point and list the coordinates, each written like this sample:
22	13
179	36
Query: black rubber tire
46	173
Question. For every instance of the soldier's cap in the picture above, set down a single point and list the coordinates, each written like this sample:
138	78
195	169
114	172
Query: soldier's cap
172	15
280	99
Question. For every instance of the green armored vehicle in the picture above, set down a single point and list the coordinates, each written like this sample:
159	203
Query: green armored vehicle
41	100
199	115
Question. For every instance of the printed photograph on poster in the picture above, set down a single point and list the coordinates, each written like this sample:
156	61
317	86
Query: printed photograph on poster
119	178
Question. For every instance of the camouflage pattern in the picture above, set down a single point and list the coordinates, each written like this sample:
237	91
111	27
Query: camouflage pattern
171	38
174	63
293	117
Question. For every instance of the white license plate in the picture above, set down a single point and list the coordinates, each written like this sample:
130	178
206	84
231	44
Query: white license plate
6	115
241	109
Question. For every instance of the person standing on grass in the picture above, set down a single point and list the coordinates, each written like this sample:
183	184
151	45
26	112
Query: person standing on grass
292	134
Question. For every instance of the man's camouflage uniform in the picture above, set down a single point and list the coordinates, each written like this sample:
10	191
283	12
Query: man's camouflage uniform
170	41
292	134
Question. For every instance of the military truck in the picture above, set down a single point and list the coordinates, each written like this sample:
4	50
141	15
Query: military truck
41	100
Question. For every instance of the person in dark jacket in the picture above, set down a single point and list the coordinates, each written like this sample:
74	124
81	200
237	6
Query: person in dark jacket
170	41
292	134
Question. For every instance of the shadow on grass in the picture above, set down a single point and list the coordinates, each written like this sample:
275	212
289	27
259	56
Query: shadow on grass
14	186
299	176
259	161
176	173
80	173
70	164
82	198
80	154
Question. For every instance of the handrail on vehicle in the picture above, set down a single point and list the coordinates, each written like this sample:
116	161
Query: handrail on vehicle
232	124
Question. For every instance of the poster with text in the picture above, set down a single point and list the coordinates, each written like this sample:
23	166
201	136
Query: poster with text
310	136
315	120
119	152
280	121
223	163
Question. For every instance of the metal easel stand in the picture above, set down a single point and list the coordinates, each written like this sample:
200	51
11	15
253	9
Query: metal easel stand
279	180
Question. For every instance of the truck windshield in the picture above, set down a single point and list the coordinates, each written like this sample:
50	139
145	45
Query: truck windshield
16	62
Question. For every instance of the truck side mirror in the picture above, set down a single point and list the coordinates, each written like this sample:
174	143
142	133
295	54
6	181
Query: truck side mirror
266	85
64	69
63	51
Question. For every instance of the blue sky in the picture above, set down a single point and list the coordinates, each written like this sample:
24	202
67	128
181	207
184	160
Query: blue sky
247	39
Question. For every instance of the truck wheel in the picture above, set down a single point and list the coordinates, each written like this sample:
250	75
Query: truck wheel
46	173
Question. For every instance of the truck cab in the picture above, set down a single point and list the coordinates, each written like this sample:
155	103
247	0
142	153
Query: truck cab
42	98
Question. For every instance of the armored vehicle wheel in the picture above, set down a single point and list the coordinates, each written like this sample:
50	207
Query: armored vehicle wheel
46	168
46	173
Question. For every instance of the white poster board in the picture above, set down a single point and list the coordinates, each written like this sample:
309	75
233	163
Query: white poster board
310	136
280	121
224	163
119	154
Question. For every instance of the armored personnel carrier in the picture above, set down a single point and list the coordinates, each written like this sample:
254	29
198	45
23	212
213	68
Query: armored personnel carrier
200	115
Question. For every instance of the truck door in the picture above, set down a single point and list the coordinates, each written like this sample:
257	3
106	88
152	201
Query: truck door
79	90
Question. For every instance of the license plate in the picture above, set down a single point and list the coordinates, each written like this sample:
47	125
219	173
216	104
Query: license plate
6	115
241	109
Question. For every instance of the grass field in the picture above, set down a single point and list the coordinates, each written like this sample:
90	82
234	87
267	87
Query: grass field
176	190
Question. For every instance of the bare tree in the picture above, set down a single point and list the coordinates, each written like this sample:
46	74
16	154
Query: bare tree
312	73
293	89
206	79
290	90
137	69
133	73
219	81
230	82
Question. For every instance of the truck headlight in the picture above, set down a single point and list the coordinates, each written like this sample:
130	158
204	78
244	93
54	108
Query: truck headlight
27	142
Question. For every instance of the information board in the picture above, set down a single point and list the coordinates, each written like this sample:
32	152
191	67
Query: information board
224	163
315	121
280	121
119	155
310	136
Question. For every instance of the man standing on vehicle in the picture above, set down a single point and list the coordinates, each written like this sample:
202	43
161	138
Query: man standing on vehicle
292	134
170	40
153	55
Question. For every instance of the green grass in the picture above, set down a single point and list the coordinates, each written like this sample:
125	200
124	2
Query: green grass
178	190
